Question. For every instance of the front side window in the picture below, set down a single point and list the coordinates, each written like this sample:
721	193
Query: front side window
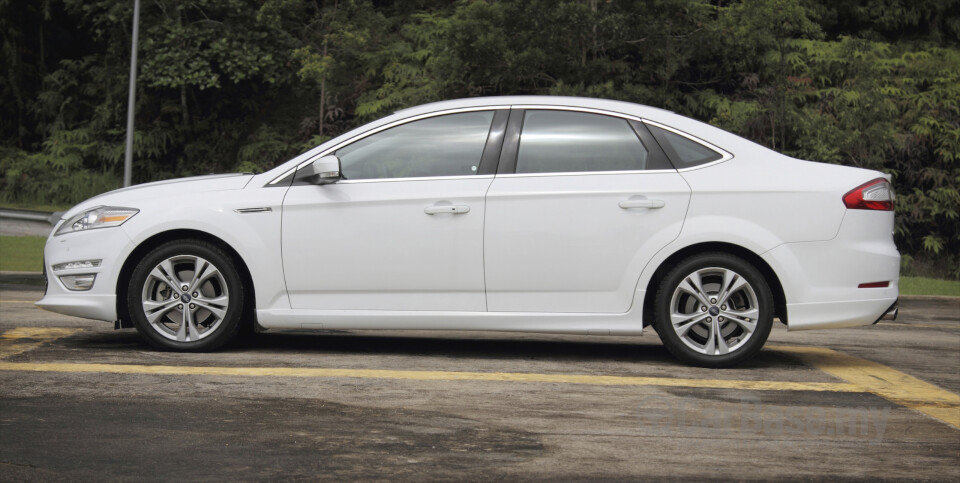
567	141
684	152
448	145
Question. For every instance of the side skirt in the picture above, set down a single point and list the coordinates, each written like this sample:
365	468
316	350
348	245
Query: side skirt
629	323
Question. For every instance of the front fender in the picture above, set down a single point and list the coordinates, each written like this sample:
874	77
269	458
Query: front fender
253	234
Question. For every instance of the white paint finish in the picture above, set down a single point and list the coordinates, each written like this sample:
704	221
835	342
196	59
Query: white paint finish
372	246
204	204
166	188
561	255
111	246
820	276
96	306
254	236
770	201
563	243
629	323
836	315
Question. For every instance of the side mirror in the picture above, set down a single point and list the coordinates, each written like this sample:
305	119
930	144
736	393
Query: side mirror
325	170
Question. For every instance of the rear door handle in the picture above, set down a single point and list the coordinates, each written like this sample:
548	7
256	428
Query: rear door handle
448	209
642	203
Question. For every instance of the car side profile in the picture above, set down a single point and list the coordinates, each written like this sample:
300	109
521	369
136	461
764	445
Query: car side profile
528	214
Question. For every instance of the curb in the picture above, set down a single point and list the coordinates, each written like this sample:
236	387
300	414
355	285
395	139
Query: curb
10	280
930	298
8	273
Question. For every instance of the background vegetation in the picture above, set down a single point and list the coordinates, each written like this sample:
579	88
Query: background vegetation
241	85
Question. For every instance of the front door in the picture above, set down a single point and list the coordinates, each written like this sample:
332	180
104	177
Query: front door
403	230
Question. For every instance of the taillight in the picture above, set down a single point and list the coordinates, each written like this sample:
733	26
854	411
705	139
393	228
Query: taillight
872	195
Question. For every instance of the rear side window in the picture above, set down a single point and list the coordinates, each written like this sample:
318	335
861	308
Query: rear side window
684	152
565	141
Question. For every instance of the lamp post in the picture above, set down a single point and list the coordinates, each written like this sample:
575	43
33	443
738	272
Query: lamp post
128	154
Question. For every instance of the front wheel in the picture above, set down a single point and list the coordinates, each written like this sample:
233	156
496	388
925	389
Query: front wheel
186	295
714	310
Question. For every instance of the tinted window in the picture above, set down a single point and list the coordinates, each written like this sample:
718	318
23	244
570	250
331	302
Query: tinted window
684	152
449	145
565	141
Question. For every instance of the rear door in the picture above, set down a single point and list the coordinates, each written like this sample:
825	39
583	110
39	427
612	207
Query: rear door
581	201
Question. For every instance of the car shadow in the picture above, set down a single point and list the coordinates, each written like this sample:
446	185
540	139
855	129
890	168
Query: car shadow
486	346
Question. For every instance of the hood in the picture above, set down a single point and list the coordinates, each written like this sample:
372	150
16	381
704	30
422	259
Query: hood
128	197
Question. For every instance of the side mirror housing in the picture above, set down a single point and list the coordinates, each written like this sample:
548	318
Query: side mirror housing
325	170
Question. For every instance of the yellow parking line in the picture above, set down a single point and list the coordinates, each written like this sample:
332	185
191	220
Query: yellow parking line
22	339
922	326
883	381
860	375
431	376
18	301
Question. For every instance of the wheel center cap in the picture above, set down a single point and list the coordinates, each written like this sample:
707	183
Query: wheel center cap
186	298
714	310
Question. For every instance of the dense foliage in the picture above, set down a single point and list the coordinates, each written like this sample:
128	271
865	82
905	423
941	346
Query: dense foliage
243	84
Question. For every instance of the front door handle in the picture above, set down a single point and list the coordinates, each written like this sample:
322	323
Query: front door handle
642	203
448	209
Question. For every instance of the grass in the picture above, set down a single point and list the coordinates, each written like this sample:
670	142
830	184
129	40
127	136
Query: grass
25	254
929	286
21	253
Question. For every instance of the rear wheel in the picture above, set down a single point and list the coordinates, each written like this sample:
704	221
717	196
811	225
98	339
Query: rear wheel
714	310
186	295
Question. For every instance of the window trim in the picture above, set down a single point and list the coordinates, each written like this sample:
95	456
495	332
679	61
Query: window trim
724	154
511	145
496	110
510	141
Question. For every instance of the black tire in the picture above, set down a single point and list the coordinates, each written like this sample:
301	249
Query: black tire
215	304
713	272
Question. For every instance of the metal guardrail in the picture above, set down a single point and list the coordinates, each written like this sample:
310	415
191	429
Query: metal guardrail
28	215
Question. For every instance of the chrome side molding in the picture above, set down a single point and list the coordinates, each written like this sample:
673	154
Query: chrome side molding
261	209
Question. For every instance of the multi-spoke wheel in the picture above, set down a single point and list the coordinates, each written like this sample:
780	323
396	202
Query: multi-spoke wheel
186	295
714	310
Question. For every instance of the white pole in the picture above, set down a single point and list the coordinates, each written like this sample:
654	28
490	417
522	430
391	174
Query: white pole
128	155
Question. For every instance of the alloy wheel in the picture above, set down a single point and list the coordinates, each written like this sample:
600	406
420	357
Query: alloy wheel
185	298
714	311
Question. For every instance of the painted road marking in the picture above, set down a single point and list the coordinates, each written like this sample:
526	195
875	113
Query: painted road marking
860	375
18	301
922	326
432	376
886	382
23	339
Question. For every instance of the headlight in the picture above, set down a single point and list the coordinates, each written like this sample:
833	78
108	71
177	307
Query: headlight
99	217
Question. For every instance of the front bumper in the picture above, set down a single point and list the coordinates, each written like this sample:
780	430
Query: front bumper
110	245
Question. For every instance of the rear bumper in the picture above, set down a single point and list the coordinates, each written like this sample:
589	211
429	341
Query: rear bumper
832	315
822	280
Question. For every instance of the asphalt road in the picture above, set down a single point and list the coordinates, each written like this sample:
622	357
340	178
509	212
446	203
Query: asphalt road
80	401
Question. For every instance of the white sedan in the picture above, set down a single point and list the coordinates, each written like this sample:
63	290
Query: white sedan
533	214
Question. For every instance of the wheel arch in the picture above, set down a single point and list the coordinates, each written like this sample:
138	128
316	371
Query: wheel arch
158	239
779	297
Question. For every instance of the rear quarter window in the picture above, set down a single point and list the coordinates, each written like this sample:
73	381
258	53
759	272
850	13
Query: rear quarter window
683	151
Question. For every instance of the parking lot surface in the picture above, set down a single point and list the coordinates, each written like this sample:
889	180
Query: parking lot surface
81	401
